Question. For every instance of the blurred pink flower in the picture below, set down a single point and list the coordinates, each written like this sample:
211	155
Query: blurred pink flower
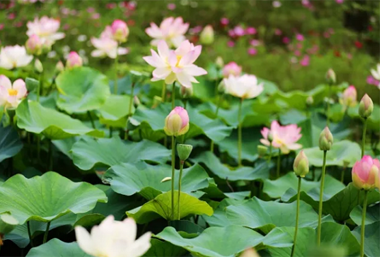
348	98
305	61
11	95
252	51
90	9
119	30
372	81
95	16
224	22
231	68
300	37
34	45
171	30
297	52
326	34
14	57
276	4
277	32
239	31
106	46
250	31
339	1
11	16
230	43
365	173
285	40
299	45
195	30
46	28
255	42
176	65
171	6
73	60
111	5
284	137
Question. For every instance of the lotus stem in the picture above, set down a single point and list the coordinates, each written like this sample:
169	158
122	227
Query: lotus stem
116	74
328	106
173	173
163	95
239	133
173	95
91	119
321	199
297	216
179	187
29	233
364	134
363	223
216	115
46	232
278	163
131	100
270	152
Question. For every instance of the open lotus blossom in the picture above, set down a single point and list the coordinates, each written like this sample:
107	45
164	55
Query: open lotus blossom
46	28
14	57
365	173
231	68
376	73
284	137
171	30
113	239
245	86
176	65
106	47
11	95
349	97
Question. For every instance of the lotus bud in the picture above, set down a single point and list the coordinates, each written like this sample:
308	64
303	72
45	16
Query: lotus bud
301	164
349	97
136	101
59	67
186	92
250	252
331	77
365	173
119	30
33	45
184	151
177	122
219	62
270	136
207	35
73	60
325	140
365	107
231	69
262	150
309	100
38	66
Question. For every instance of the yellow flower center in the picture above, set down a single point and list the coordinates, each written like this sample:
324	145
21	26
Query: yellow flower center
278	141
178	60
12	92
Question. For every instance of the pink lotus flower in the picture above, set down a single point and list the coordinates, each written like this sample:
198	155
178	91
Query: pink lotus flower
231	68
119	30
34	45
376	72
176	65
14	57
244	87
250	31
171	6
46	28
11	95
339	1
252	51
285	40
372	81
230	43
365	173
305	61
106	46
177	122
300	37
171	30
349	97
284	137
73	60
224	22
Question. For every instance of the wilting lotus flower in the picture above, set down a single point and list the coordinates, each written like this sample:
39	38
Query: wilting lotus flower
106	47
349	97
245	86
45	28
176	65
171	30
231	68
11	95
73	60
14	57
113	239
365	173
284	137
119	30
177	122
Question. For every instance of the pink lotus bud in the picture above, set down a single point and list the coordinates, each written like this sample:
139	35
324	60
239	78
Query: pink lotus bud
73	60
177	122
365	173
331	77
301	164
325	139
365	107
119	30
231	69
224	22
349	97
207	35
34	45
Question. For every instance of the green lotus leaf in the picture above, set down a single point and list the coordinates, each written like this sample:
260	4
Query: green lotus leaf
115	110
10	143
372	214
371	238
57	248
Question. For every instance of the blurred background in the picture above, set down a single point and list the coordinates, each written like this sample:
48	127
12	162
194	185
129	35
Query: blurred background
292	43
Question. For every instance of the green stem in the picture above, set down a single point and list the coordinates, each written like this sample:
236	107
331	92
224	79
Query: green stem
342	175
38	148
110	131
239	133
50	164
46	232
321	199
364	134
29	233
278	163
90	117
131	101
363	223
297	216
173	95
328	106
39	87
179	187
173	173
163	95
216	115
270	152
116	64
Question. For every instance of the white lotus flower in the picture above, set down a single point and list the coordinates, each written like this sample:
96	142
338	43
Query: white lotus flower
106	46
376	73
113	239
14	57
46	28
171	30
11	95
245	86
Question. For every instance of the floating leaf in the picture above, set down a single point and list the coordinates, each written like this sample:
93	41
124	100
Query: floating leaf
371	238
163	249
339	236
57	248
372	215
115	110
10	143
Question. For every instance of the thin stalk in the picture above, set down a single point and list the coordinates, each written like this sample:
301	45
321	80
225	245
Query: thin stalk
163	95
328	106
270	152
50	164
173	173
90	117
131	101
363	223
321	199
342	175
38	148
364	134
116	64
29	233
46	232
297	216
239	133
278	163
173	95
216	115
39	86
179	187
110	131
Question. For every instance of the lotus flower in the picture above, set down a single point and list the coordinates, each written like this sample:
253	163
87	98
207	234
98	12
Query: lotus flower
171	30
349	97
376	73
284	137
231	68
176	65
113	239
106	47
177	122
365	173
34	45
73	60
11	95
245	86
45	28
14	57
119	30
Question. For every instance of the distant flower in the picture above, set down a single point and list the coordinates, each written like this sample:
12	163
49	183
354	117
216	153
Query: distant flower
14	57
285	40
284	137
90	9
171	6
113	238
305	61
176	65
73	60
277	32
95	16
207	35
339	1
300	37
372	81
255	42
376	72
245	86
224	22
250	31
252	51
106	47
358	44
231	68
276	4
46	28
119	30
230	43
348	98
365	173
239	31
171	30
11	95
